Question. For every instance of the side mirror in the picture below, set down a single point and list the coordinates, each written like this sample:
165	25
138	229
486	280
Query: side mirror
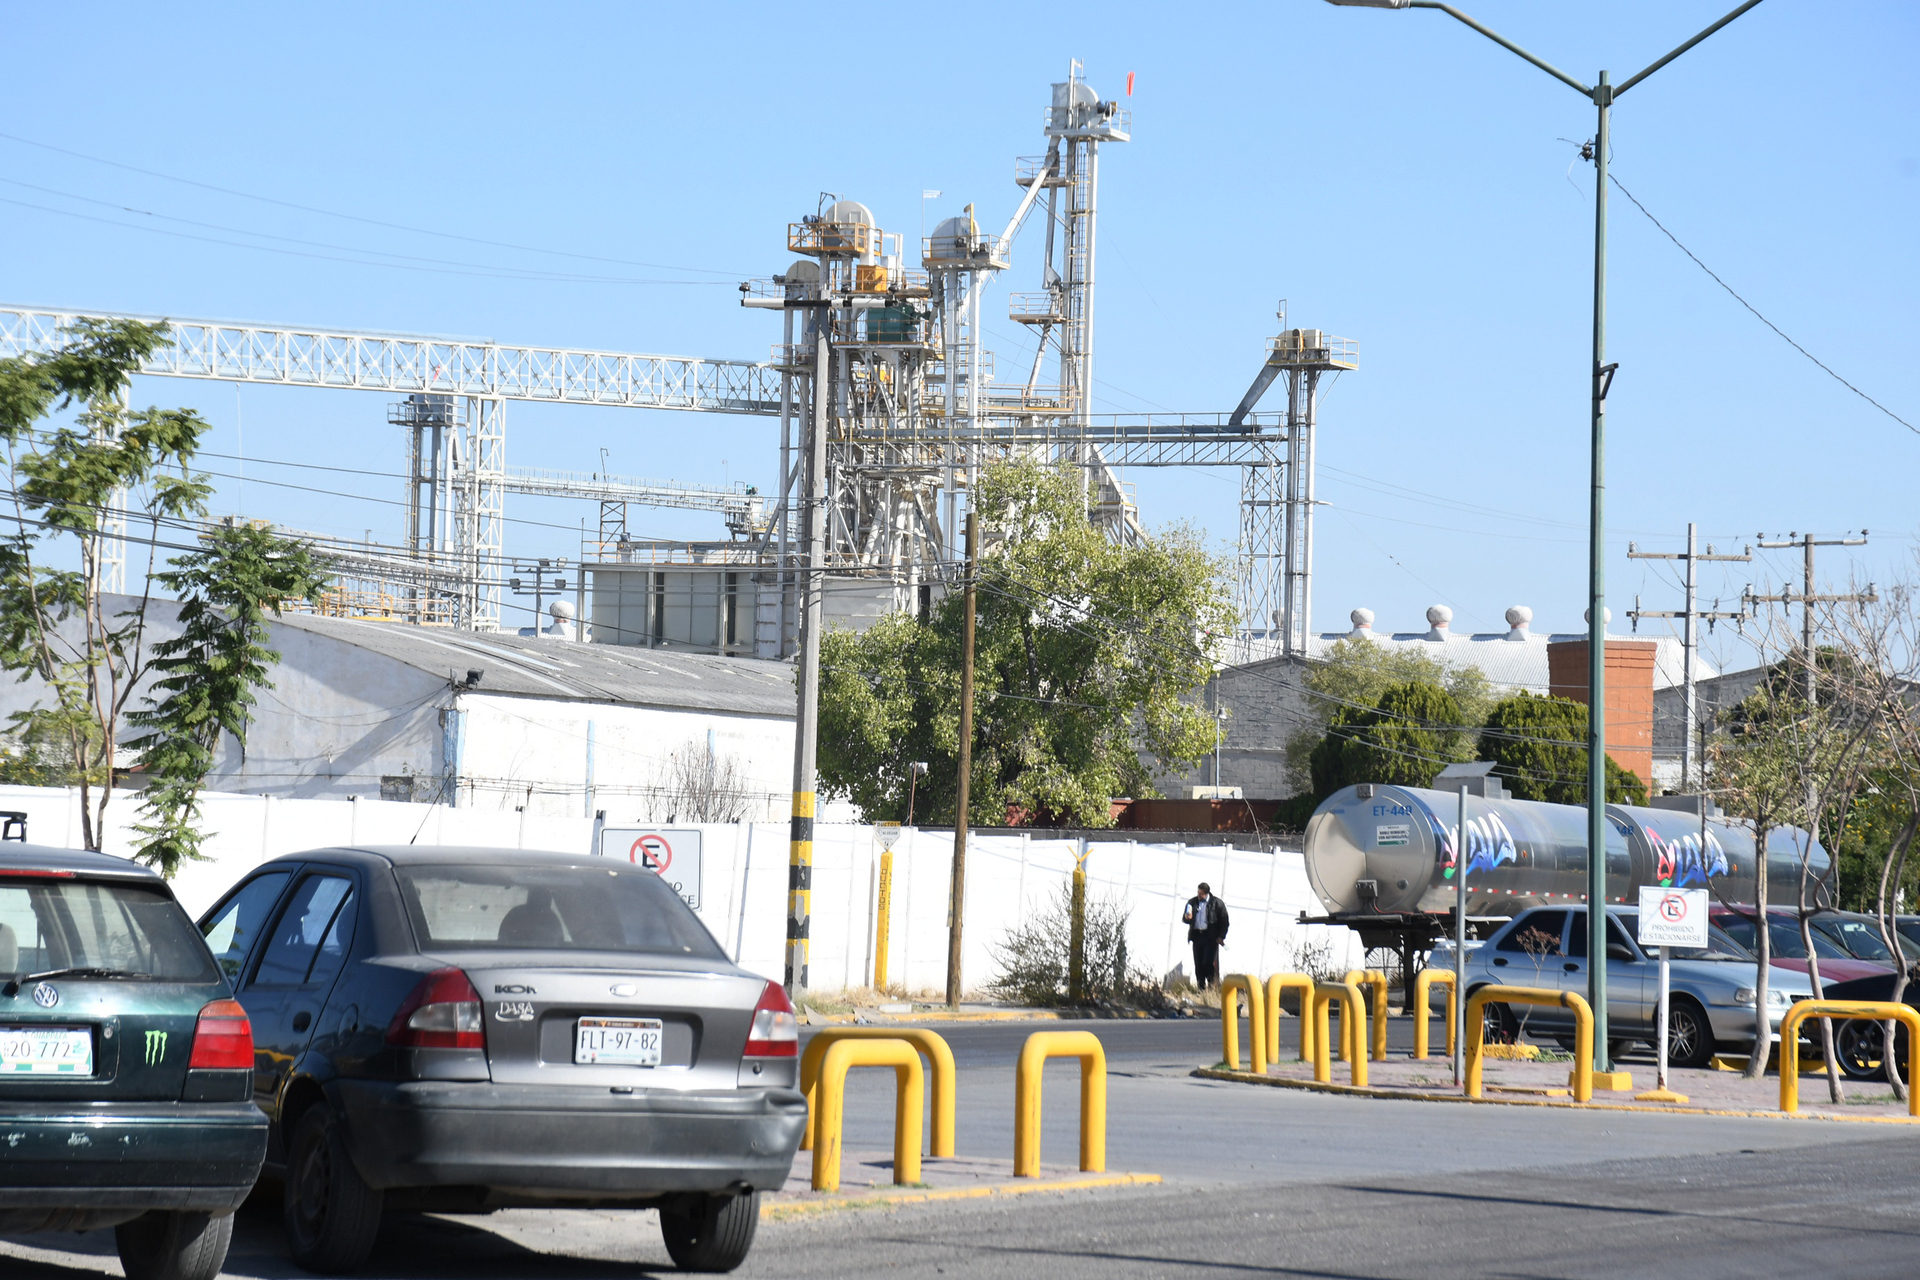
1620	951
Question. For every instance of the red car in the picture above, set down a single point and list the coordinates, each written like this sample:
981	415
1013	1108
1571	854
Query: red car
1789	952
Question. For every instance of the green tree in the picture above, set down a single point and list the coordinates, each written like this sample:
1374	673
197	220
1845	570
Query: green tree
1353	675
77	457
1411	733
205	678
1538	747
1086	653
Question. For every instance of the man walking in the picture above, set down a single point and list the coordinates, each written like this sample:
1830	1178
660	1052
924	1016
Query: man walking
1206	921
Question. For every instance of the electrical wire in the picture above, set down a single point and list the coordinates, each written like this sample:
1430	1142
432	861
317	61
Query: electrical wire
374	222
1755	310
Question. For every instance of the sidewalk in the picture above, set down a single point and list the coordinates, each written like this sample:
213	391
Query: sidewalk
1711	1091
866	1182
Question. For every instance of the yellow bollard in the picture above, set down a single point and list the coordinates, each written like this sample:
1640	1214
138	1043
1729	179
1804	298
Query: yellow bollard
1040	1046
939	1059
1230	1022
883	921
1423	984
1352	1014
910	1095
1477	1003
1378	981
1278	983
1874	1010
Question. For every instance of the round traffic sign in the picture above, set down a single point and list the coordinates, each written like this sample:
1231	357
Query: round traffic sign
652	852
1673	907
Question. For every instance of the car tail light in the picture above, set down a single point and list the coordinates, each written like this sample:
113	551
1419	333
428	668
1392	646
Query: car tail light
776	1032
222	1038
443	1012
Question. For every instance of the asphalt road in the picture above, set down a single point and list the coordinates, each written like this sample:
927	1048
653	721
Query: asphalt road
1258	1181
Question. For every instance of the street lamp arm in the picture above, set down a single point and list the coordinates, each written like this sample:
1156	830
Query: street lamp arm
1638	76
1542	63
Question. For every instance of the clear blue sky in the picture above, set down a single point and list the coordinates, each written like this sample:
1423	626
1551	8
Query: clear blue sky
1398	178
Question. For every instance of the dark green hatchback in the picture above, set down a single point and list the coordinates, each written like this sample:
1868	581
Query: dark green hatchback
126	1066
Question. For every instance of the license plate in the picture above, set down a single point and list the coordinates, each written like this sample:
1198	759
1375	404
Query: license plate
624	1042
46	1051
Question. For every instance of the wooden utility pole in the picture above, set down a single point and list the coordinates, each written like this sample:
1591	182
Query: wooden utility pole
1808	598
956	909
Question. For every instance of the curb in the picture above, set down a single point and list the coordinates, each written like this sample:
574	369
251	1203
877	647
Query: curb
1408	1095
775	1212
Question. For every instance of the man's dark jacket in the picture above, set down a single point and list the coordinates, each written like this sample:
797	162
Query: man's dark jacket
1216	918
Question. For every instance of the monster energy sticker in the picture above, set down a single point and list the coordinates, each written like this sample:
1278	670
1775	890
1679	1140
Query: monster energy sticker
156	1047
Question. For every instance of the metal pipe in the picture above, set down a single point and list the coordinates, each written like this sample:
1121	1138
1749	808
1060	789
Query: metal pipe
1596	607
958	888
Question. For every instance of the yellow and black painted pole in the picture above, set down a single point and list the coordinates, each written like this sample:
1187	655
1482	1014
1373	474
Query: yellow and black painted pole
807	682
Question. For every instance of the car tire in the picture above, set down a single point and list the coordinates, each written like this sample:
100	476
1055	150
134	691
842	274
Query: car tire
1501	1027
331	1215
710	1233
1861	1048
1689	1034
174	1245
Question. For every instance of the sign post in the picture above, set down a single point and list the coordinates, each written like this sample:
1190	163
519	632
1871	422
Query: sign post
1669	918
887	834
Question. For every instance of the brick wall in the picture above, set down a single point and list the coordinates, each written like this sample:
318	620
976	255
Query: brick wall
1629	685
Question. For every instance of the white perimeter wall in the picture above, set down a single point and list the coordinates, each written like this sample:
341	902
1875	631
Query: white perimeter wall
744	880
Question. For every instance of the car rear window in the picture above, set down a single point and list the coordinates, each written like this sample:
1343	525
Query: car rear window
551	908
48	924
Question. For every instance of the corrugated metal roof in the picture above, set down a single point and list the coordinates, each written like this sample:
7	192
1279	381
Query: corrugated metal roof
541	667
1519	664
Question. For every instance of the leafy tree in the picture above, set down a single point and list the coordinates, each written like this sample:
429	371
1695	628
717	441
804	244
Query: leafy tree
1085	655
1353	675
1538	747
1404	739
206	676
69	478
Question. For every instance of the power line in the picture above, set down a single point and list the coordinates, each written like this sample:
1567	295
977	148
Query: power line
351	217
1762	319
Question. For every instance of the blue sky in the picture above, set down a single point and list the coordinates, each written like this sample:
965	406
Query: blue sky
1399	179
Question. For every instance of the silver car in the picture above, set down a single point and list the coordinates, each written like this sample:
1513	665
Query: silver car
1712	1002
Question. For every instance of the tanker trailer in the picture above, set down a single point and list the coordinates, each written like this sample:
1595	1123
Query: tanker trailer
1376	851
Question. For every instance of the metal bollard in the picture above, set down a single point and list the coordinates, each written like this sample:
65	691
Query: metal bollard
1423	984
931	1046
1582	1031
910	1095
1353	1012
1040	1046
1276	984
1378	981
1877	1010
1230	1022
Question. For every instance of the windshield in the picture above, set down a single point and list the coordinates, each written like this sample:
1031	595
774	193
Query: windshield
1720	946
551	908
1785	939
48	924
1857	936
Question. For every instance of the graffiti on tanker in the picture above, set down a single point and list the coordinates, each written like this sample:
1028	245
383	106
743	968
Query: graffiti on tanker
1683	862
1489	844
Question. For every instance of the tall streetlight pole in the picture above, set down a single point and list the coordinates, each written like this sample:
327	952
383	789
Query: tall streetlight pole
1602	96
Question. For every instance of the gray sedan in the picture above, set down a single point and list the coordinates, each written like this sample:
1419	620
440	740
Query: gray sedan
1712	987
459	1030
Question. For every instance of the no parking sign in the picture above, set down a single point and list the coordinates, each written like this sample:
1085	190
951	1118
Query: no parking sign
1672	917
672	853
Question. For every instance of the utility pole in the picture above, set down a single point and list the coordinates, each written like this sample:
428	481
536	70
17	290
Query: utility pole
958	890
1808	597
807	679
1691	712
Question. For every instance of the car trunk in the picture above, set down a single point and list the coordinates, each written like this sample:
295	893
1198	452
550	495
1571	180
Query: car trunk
138	1037
696	1020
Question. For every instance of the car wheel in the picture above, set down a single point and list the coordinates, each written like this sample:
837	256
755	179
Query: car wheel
174	1245
1689	1035
1861	1047
331	1214
710	1233
1501	1026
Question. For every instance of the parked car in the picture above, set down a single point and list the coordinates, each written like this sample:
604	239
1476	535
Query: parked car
125	1066
1860	1047
1860	935
1712	990
1837	964
466	1029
